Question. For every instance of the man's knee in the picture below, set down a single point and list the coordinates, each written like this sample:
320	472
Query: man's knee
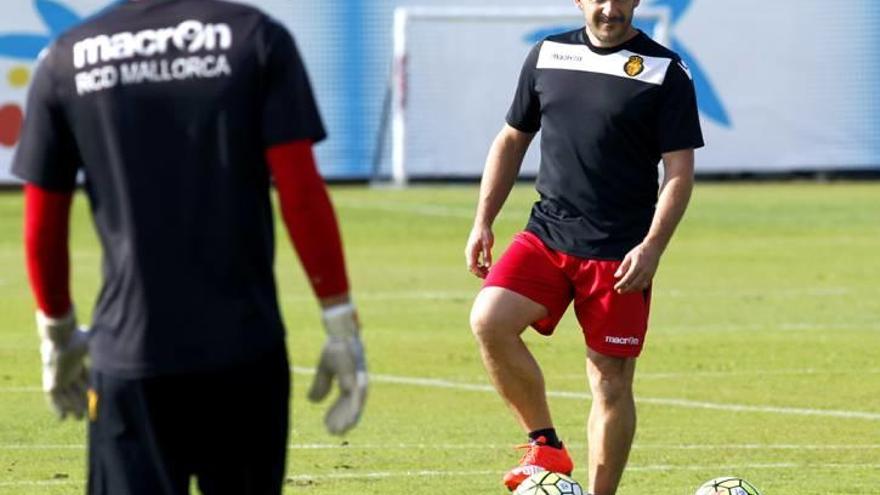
611	389
486	323
611	379
499	314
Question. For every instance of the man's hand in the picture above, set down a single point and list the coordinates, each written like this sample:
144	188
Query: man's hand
636	271
342	358
478	252
63	348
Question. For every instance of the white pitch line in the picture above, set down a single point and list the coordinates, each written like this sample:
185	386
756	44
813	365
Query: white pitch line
388	474
661	375
782	293
787	326
797	411
688	374
465	446
636	468
450	295
70	446
683	403
42	482
397	446
725	447
410	209
642	375
487	472
734	467
758	446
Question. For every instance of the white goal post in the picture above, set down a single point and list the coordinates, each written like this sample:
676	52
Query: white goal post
454	73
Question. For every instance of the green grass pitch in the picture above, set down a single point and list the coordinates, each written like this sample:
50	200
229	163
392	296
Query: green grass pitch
763	358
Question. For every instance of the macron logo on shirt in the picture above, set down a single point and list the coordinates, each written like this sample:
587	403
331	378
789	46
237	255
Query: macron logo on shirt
189	36
610	339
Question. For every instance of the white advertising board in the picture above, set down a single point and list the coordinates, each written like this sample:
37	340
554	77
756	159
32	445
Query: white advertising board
782	86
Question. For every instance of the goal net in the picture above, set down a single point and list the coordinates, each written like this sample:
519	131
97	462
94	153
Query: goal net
454	74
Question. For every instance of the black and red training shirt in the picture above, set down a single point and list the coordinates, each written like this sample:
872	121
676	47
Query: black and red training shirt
168	107
606	115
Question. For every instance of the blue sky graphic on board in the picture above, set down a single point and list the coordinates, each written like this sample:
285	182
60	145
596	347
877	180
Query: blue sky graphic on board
708	99
27	46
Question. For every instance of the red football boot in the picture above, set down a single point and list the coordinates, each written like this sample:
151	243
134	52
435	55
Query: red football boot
539	457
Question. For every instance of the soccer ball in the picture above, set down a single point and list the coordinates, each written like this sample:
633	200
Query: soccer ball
727	485
548	483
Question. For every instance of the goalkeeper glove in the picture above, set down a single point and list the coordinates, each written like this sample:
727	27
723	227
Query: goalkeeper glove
63	348
343	358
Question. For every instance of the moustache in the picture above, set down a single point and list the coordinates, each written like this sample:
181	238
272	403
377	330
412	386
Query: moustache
611	20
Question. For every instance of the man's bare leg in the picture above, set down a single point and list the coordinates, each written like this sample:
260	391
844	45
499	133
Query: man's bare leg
612	422
498	319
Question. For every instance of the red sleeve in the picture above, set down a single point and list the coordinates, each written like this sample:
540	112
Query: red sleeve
46	230
308	216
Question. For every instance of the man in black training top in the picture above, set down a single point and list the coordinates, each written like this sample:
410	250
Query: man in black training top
179	113
611	103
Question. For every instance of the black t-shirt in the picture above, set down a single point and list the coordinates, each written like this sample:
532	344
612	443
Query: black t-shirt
168	107
606	116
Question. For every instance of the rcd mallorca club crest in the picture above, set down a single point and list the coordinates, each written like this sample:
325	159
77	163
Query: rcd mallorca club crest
634	66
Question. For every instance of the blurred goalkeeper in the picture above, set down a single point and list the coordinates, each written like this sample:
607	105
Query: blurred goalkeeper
611	104
180	113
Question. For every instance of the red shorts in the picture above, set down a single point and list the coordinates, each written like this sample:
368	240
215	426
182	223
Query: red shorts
613	324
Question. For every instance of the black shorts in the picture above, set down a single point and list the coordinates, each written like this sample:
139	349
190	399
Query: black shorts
226	428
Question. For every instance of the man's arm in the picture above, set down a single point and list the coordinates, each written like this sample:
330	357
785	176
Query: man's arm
310	220
637	270
46	229
502	167
63	346
311	223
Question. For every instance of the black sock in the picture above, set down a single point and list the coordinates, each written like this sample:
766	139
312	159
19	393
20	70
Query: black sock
549	435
